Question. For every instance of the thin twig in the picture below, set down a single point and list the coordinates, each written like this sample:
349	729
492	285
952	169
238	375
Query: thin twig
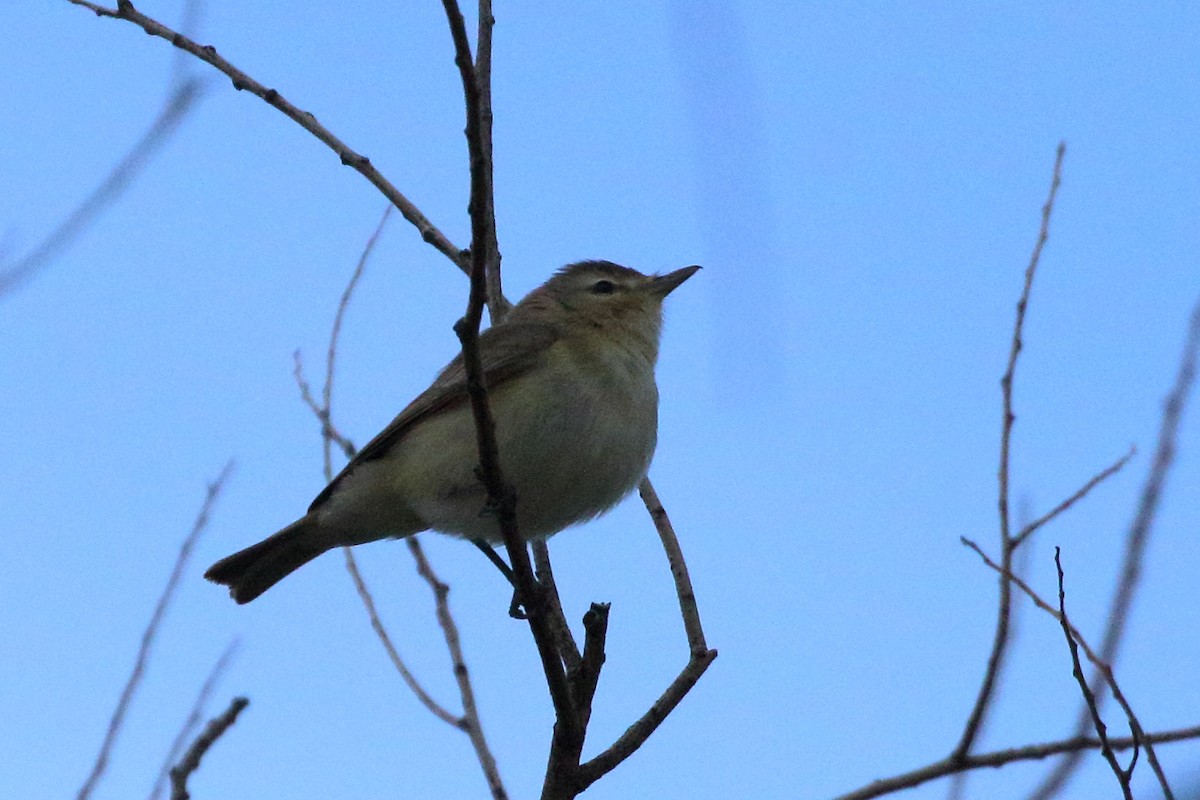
368	601
1135	727
1096	480
469	721
191	759
1014	352
336	332
329	431
1137	539
329	435
1000	758
564	639
995	662
683	583
470	718
1106	750
639	732
498	306
1104	669
178	105
700	654
148	636
193	719
241	81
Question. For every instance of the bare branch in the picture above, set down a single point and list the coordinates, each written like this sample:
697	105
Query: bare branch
241	81
191	759
500	495
336	332
329	431
700	654
1000	640
148	636
1079	494
567	741
193	719
1014	352
179	104
1138	538
563	638
586	676
683	583
498	306
1103	667
470	719
1106	750
640	731
329	435
377	625
999	758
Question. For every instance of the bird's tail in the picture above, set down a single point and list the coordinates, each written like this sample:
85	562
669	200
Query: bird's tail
250	572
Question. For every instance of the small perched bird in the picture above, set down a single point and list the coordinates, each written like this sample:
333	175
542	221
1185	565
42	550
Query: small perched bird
570	378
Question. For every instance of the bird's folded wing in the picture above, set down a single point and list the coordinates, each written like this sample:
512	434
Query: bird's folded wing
507	352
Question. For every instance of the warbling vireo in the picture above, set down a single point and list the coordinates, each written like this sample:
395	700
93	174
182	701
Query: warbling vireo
570	377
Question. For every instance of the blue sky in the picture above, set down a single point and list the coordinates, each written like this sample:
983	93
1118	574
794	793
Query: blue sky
862	183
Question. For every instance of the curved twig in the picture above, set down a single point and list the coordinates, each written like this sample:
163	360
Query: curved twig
241	81
180	102
469	721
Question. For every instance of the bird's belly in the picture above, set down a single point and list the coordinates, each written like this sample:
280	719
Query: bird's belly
569	457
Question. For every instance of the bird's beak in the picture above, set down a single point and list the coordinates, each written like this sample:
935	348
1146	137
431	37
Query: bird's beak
663	285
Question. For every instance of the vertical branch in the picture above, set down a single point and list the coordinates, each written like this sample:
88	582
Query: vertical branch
500	494
325	411
564	639
1008	542
498	306
567	741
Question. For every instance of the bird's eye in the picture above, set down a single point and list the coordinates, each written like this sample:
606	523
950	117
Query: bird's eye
603	287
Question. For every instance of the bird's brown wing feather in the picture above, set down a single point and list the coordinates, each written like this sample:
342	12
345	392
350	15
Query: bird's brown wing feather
503	360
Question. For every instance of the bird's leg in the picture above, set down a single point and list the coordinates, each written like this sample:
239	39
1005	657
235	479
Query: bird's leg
514	608
495	558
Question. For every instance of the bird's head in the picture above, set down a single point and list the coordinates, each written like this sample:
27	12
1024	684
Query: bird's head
603	299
